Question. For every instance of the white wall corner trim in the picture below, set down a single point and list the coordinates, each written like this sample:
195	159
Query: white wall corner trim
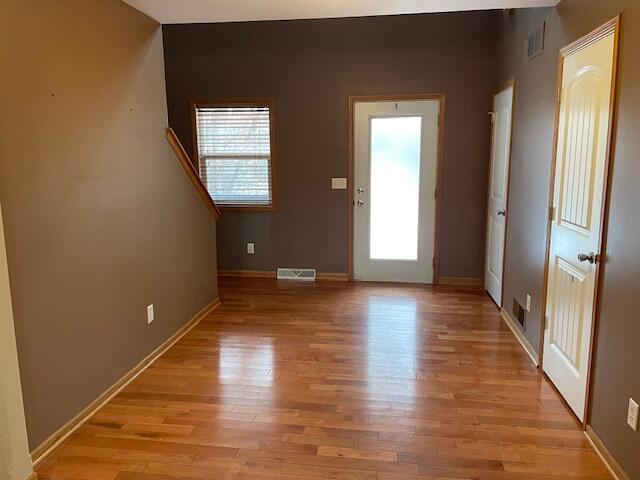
15	461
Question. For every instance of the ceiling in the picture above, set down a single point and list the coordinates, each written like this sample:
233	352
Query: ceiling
216	11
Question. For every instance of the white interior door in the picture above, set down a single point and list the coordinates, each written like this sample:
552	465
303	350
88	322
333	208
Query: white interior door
583	129
498	189
396	148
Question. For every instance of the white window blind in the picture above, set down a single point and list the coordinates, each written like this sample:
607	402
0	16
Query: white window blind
234	150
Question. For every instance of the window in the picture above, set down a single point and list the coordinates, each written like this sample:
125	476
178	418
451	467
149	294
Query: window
235	152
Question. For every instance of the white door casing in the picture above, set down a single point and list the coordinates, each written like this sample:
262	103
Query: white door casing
576	220
497	192
418	269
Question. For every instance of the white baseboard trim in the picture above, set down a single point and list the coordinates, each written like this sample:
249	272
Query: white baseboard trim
520	336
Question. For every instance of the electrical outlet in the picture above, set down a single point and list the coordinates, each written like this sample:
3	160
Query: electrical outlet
251	248
527	306
150	314
632	415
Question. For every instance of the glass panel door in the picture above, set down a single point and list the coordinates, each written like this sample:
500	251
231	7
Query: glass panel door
395	188
395	168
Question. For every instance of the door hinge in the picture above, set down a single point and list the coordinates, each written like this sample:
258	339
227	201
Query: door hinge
552	213
492	117
433	262
546	322
435	193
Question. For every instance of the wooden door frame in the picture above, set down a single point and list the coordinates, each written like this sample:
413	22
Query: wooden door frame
441	98
612	26
510	83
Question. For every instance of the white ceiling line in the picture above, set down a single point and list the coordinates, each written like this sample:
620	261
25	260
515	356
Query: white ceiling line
219	11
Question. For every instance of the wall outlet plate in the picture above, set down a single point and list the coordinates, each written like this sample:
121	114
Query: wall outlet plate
632	414
150	313
527	306
251	248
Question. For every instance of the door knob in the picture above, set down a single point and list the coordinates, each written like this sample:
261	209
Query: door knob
360	203
587	257
502	212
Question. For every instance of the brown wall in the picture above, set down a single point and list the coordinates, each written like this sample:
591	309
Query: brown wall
310	68
100	220
615	378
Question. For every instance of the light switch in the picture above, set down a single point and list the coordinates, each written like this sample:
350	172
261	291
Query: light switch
339	183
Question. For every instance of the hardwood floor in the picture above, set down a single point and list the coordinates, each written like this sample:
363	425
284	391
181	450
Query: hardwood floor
335	381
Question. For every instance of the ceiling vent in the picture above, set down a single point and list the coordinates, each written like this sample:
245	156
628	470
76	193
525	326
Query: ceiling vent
305	274
535	45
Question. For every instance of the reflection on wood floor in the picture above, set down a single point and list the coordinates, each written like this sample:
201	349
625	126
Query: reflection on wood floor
336	381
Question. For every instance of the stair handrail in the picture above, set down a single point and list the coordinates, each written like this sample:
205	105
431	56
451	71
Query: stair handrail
186	163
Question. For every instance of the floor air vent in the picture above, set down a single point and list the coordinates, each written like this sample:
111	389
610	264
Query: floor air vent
305	274
519	312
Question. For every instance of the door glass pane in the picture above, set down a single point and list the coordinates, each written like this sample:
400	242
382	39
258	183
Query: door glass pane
395	188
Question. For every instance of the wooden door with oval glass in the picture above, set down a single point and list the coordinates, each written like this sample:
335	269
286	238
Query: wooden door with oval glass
395	159
582	153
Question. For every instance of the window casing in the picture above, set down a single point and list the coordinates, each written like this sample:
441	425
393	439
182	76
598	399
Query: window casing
234	147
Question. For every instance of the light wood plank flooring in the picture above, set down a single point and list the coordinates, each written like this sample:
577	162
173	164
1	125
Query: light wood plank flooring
336	381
